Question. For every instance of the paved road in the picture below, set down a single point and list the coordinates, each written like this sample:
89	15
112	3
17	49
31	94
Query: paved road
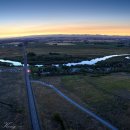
87	111
35	124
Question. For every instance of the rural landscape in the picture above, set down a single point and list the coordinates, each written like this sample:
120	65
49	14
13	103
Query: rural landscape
101	86
64	64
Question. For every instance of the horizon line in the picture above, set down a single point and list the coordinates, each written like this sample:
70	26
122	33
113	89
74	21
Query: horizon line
112	35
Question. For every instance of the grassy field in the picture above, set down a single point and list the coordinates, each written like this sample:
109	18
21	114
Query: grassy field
83	50
13	103
9	51
57	114
108	96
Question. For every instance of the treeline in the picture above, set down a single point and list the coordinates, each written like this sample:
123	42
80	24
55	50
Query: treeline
51	58
100	68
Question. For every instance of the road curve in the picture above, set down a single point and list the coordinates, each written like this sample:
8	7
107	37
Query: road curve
87	111
35	124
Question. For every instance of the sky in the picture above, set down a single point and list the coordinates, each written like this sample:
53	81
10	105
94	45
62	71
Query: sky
39	17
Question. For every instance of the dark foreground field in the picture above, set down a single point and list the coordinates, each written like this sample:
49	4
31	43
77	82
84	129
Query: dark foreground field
13	102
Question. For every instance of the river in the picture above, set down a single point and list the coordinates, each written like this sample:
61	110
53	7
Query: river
85	62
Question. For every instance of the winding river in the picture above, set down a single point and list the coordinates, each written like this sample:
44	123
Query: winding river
86	62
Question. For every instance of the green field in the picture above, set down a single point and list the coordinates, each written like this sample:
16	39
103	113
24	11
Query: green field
80	49
108	96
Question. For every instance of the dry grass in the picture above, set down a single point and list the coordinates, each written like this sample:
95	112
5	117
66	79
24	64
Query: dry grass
49	104
12	92
106	95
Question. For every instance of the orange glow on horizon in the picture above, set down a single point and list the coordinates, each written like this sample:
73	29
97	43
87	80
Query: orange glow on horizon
18	31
